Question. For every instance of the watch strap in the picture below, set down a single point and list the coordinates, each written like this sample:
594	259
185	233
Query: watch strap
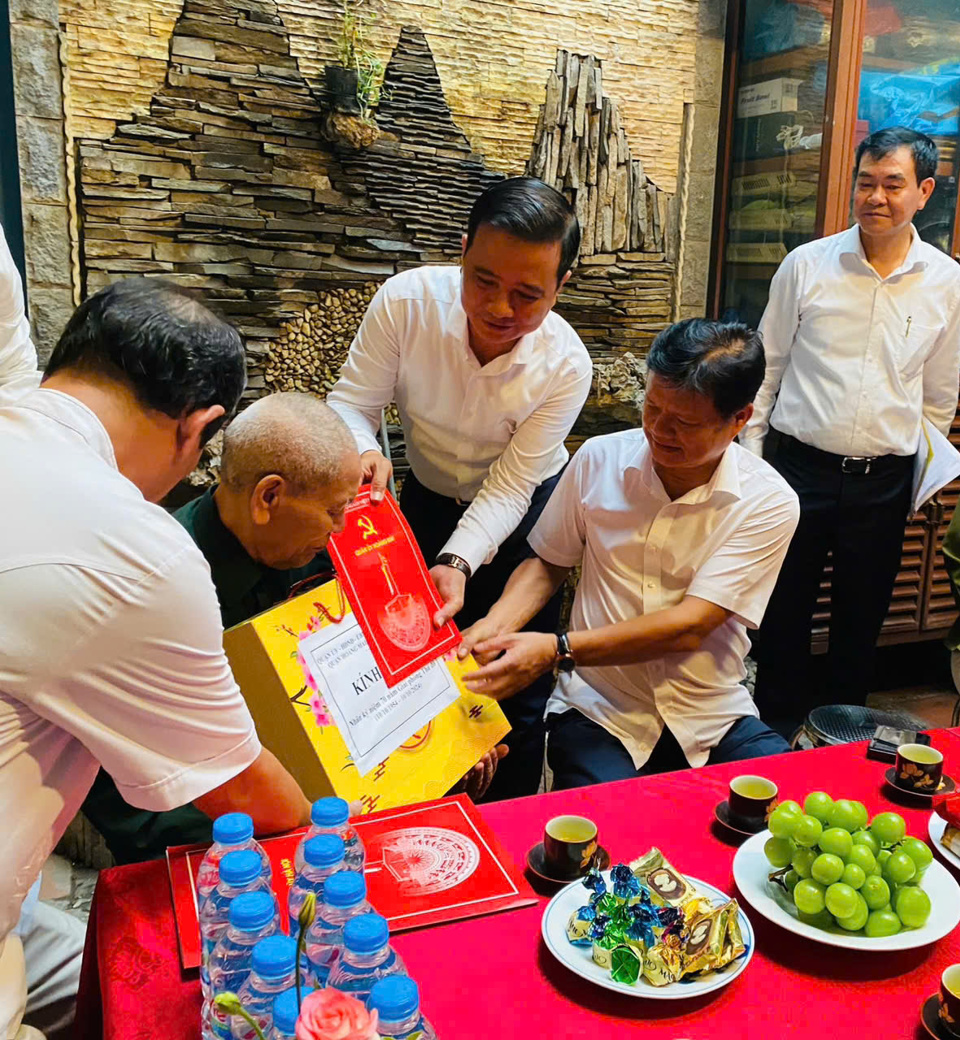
452	560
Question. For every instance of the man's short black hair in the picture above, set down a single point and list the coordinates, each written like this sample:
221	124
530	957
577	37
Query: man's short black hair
882	142
722	360
530	210
173	352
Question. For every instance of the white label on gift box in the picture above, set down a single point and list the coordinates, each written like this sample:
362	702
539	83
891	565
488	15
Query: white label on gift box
373	720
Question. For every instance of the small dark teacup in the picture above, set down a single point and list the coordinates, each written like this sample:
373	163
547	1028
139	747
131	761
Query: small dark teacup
750	799
569	845
919	768
949	1000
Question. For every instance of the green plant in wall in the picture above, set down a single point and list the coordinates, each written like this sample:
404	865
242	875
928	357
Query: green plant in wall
358	92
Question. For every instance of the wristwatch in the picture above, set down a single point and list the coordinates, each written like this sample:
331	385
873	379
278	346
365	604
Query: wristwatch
564	661
452	560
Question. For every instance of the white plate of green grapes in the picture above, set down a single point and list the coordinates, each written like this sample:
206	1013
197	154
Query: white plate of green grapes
827	871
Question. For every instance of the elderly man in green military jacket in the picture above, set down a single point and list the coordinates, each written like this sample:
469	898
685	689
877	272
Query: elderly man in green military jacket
289	469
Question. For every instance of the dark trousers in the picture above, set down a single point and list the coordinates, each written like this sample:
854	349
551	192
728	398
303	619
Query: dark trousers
860	517
582	752
433	519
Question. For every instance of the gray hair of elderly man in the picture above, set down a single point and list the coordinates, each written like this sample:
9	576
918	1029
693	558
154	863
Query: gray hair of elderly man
294	435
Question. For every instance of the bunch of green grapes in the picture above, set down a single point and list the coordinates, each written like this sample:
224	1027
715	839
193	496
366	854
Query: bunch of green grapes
840	869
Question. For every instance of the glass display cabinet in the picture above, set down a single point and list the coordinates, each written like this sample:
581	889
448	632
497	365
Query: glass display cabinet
805	82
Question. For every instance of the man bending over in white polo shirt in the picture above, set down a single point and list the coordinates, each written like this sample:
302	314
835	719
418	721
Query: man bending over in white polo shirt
111	646
680	534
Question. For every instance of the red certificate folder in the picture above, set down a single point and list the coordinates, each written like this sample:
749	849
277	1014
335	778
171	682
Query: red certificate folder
426	864
389	588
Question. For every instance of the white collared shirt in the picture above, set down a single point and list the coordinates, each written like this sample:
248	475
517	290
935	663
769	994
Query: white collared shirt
18	356
859	359
485	434
111	646
723	542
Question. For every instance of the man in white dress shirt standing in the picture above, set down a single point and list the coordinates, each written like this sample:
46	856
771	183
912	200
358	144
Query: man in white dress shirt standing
488	382
862	336
680	534
111	647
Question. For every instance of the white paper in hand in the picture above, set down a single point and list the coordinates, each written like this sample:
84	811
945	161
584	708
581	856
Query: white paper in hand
937	462
372	719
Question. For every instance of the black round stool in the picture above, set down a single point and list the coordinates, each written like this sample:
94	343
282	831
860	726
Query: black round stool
832	724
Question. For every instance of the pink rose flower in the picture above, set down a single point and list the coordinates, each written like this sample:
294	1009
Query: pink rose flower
328	1014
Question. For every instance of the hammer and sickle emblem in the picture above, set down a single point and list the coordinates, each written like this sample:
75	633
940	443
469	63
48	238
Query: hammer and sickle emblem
366	525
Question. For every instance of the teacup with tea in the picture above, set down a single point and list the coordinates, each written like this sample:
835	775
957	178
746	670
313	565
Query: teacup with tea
949	1000
569	845
750	800
919	768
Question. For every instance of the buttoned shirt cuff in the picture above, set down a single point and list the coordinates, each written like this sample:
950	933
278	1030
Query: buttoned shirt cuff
464	545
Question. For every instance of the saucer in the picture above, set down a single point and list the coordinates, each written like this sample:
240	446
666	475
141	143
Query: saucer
722	814
930	1017
536	861
947	786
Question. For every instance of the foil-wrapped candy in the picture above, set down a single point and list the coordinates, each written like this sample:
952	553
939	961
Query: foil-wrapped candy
668	887
626	963
626	885
713	939
579	926
662	964
595	883
602	950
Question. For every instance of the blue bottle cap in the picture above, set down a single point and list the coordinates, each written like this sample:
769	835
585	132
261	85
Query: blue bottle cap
395	997
275	956
285	1010
325	850
366	933
251	910
233	828
329	812
241	867
345	888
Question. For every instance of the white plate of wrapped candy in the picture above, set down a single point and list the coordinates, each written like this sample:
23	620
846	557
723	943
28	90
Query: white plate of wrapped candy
647	930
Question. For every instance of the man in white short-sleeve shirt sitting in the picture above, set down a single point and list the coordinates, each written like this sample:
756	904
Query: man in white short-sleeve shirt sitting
110	643
680	534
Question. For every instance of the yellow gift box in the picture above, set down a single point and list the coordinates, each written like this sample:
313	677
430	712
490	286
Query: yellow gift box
263	653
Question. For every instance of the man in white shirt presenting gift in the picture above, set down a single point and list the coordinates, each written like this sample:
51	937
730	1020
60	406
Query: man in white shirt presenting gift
111	647
680	534
862	336
488	382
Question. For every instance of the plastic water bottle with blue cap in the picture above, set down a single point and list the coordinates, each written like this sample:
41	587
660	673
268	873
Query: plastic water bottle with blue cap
397	1002
344	897
332	816
231	832
273	969
323	857
367	957
240	872
285	1014
253	916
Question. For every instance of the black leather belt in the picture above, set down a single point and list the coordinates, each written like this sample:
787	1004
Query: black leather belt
855	465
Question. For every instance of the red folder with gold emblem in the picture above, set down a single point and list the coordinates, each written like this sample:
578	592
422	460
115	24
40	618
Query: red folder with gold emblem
426	864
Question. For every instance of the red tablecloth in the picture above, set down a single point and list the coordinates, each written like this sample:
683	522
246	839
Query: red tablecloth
492	977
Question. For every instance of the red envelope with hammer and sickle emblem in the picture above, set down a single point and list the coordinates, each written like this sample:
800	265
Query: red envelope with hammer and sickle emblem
388	584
